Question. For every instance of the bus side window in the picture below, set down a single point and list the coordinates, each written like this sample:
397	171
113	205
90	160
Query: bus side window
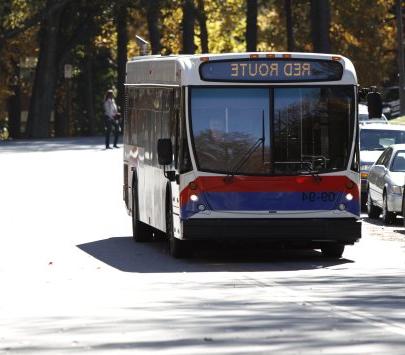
176	126
126	115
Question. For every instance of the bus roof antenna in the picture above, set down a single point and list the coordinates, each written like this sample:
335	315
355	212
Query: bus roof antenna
143	45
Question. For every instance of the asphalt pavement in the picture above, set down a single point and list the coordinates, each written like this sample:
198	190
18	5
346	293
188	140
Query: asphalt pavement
73	281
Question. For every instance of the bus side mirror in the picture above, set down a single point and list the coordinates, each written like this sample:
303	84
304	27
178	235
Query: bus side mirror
165	151
374	103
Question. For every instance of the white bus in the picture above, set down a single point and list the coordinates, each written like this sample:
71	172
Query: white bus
243	146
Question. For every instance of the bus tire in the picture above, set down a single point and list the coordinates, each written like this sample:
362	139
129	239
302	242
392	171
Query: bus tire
332	250
140	232
178	248
373	212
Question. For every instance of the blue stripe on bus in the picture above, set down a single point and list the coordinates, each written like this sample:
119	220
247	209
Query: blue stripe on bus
269	201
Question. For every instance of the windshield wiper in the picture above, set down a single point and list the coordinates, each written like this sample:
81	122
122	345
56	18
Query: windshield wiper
314	173
309	171
245	157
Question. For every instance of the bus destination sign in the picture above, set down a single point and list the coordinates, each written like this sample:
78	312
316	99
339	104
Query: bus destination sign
271	70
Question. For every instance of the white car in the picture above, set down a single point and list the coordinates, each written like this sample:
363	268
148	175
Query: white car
374	138
386	181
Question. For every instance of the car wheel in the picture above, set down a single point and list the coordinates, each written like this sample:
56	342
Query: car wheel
140	231
372	211
332	250
387	216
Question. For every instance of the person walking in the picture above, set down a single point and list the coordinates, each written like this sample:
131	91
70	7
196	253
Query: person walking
111	118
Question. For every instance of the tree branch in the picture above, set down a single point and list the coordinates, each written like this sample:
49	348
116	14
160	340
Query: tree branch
34	20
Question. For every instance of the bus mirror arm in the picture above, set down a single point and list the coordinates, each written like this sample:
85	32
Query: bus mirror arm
170	175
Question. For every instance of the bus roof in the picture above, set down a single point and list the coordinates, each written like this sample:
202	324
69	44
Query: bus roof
183	70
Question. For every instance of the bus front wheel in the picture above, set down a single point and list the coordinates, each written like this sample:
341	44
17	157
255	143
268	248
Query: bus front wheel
333	250
140	231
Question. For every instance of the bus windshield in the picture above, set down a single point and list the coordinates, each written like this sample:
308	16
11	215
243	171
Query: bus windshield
300	129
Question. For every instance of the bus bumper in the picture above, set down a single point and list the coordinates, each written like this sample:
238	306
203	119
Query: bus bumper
310	231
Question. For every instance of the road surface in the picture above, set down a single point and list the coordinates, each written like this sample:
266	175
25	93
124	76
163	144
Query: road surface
73	281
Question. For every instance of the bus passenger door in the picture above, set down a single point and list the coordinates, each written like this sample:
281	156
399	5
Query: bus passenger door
176	139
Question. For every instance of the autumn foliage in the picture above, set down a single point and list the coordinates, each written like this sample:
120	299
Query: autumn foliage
39	37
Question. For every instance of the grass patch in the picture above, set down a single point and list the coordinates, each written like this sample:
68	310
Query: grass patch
398	120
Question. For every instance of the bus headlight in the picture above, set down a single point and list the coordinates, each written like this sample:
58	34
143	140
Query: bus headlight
349	197
194	198
342	206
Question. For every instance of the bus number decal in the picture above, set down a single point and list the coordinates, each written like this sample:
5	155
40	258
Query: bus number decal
316	196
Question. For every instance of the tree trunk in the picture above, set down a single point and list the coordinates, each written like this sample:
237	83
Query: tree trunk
43	92
122	51
289	25
251	25
320	25
152	16
188	27
202	20
401	57
14	113
89	92
61	125
14	105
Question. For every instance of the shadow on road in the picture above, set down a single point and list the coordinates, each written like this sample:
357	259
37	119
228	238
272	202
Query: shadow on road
52	144
125	255
399	222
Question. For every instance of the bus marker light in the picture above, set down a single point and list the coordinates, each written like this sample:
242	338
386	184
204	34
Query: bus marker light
201	207
349	197
270	55
336	58
254	56
342	206
350	185
286	55
204	59
193	186
194	198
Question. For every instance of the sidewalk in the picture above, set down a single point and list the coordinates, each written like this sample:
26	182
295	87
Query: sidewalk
53	144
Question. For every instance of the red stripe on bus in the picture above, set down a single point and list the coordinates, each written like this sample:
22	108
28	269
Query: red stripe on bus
271	184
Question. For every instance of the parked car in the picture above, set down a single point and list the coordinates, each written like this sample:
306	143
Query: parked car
364	118
374	138
386	184
391	104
